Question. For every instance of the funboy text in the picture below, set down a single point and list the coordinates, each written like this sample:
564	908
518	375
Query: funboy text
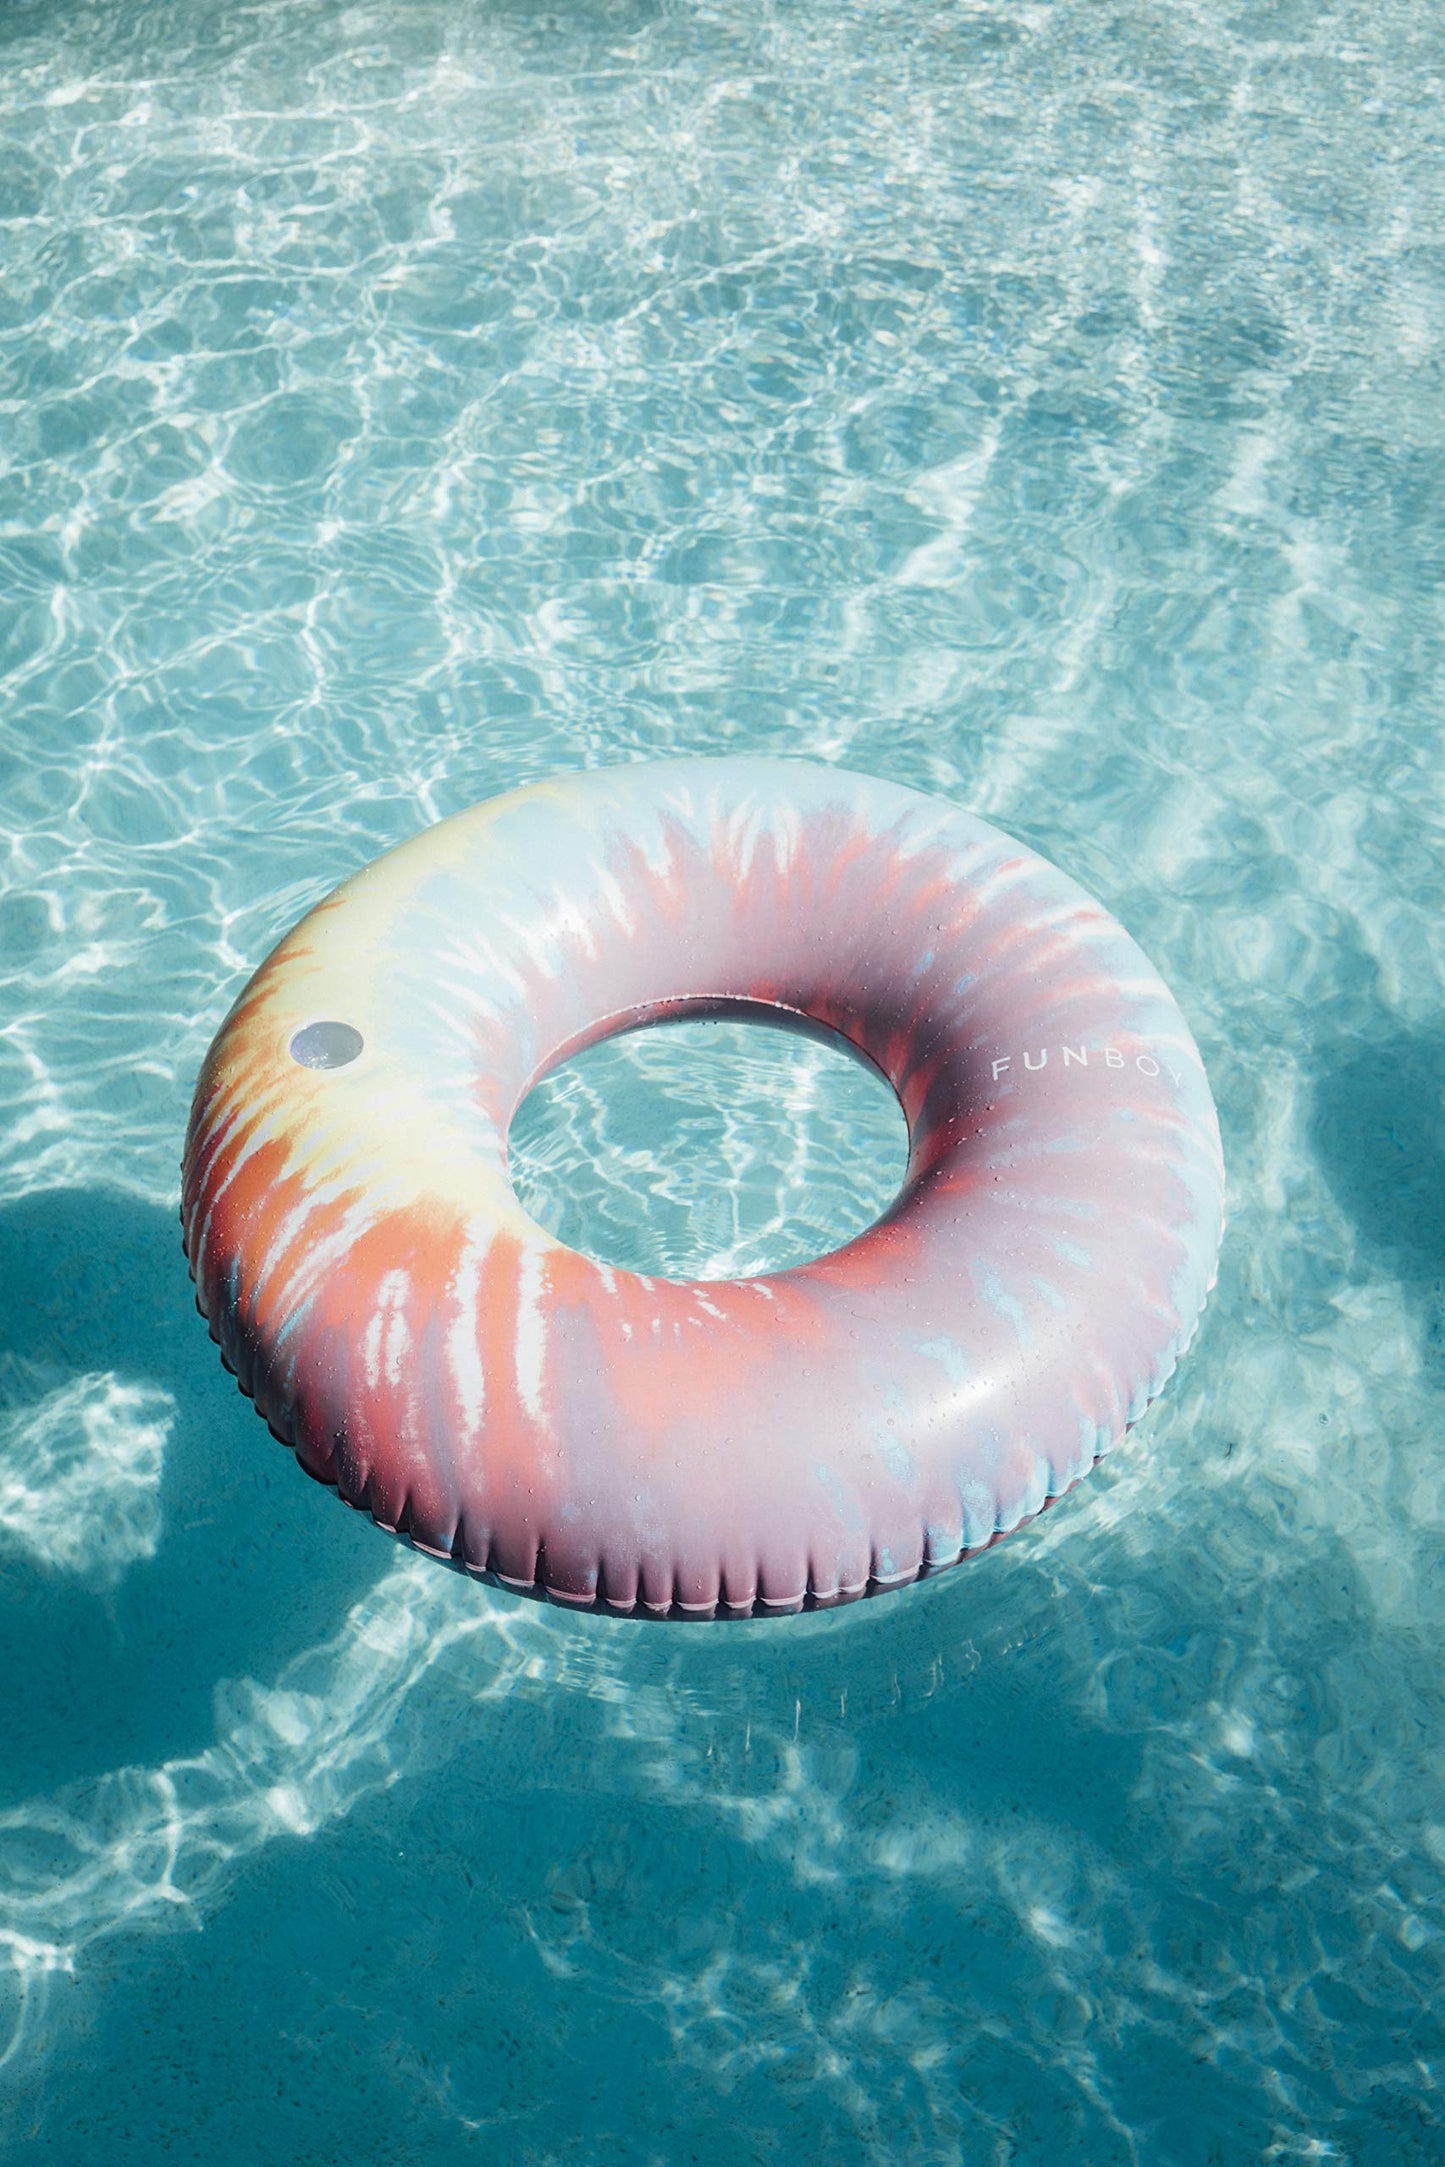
1079	1057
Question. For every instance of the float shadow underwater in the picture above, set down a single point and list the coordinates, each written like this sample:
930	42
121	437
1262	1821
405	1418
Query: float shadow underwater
153	1538
909	1882
1379	1132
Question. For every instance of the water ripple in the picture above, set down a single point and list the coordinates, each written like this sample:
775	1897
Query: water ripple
1034	404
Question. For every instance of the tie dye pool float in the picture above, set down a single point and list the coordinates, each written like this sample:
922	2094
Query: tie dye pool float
645	1446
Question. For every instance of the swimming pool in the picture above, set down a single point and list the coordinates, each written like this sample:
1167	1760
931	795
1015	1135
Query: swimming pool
1038	405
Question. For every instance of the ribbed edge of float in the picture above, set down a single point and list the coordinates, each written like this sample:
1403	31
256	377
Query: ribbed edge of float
675	1610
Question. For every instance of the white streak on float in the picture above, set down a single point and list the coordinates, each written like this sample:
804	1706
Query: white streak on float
463	1356
377	1346
531	1332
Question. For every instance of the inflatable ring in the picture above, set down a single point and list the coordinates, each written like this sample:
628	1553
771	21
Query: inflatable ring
736	1447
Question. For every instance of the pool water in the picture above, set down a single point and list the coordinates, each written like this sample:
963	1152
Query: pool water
709	1150
1039	404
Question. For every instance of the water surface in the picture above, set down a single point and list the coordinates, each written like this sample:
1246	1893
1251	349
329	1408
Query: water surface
1037	404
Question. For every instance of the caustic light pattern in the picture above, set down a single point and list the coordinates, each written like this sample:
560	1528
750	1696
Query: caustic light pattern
687	1448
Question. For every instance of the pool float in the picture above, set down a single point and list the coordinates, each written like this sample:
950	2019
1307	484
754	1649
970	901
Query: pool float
711	1448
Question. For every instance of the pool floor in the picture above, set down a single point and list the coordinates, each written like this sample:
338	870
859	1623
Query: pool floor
1036	404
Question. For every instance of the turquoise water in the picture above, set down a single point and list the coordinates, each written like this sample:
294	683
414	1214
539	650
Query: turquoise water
1038	404
709	1150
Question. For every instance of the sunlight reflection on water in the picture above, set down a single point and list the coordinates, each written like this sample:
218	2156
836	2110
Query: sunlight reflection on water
397	405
